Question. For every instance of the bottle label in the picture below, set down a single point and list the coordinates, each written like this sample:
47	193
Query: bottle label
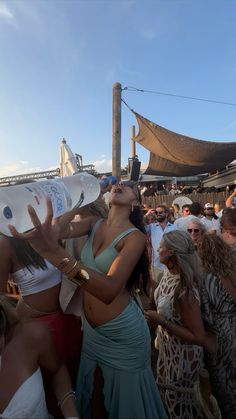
60	197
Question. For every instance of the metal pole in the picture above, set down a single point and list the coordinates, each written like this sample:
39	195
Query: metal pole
116	130
133	145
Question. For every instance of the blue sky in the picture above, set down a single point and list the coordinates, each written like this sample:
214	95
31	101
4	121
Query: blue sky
60	58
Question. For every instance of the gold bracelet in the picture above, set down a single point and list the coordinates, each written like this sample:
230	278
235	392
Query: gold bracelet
71	274
81	277
65	262
68	270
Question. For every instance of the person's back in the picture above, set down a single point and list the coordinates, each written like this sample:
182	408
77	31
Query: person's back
218	297
39	283
21	374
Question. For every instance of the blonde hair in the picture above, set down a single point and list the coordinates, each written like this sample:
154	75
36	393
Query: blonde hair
186	259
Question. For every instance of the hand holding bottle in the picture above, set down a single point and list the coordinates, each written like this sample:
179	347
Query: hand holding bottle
44	237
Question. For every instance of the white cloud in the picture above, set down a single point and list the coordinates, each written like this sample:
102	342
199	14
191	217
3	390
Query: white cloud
103	165
21	168
6	14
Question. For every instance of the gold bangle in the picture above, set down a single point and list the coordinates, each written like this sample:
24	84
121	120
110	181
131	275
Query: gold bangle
81	277
71	274
70	269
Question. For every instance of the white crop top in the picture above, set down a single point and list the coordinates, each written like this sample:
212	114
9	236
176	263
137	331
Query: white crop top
39	280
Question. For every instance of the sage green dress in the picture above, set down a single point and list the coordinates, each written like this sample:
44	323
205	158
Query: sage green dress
121	348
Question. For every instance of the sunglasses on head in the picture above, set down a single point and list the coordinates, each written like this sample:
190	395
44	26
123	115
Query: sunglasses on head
193	230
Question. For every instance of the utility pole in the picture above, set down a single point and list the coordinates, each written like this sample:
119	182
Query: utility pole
116	130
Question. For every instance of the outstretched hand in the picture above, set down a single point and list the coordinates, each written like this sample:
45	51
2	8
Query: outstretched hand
44	237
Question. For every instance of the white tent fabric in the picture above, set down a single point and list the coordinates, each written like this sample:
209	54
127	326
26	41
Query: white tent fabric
68	161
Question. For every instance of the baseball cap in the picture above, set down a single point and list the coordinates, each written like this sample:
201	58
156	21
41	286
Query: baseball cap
208	205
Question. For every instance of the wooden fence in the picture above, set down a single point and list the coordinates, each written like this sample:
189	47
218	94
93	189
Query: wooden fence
202	198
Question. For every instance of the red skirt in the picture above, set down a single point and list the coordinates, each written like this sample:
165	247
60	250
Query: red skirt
67	338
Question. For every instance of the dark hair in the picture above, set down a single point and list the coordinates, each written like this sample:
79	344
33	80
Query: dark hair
141	270
7	315
196	208
26	255
185	206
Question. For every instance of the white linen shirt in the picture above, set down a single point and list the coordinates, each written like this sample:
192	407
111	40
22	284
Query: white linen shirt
155	232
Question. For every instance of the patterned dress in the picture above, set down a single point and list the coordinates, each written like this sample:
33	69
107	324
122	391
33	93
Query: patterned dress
219	314
178	363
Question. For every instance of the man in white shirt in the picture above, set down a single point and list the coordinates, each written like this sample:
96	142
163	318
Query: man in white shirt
210	220
196	211
155	232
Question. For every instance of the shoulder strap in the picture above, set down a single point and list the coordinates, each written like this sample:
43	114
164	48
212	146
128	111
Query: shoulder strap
122	235
95	227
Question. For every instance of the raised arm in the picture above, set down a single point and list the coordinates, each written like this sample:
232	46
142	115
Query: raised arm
229	200
105	287
45	240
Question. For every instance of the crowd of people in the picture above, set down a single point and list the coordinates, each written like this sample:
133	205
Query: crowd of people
103	288
150	190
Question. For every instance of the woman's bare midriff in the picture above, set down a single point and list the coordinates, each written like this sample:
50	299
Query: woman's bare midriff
46	301
98	313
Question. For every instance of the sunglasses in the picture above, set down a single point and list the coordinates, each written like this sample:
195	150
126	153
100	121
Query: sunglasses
160	212
193	230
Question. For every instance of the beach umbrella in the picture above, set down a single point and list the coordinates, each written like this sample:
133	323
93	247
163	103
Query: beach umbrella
68	161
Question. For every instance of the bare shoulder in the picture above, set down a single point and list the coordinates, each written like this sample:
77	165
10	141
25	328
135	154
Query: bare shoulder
136	238
137	233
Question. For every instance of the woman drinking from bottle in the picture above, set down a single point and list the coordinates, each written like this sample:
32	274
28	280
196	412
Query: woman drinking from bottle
115	378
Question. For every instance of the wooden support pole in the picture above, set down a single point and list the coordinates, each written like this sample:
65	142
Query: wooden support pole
116	130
